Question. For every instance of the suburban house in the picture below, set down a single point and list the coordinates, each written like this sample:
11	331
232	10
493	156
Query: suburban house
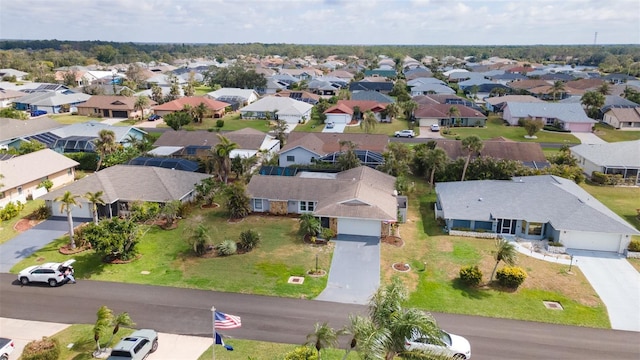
372	96
532	207
617	158
80	137
359	201
565	116
430	114
19	75
22	175
123	185
53	102
278	108
231	95
432	88
13	132
304	96
306	148
111	106
193	143
623	118
8	96
528	154
497	103
345	111
380	86
215	108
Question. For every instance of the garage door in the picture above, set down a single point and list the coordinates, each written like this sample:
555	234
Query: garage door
359	227
119	114
591	241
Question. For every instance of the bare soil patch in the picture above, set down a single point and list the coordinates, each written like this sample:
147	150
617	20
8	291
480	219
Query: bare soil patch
25	224
392	240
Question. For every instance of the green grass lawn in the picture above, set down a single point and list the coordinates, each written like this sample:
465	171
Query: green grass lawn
169	262
609	134
7	231
496	128
201	90
622	200
68	119
231	122
81	336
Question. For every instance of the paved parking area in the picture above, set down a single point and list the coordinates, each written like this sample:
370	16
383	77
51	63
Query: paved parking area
426	133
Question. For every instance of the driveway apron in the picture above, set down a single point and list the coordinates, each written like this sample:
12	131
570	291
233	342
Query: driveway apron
616	282
355	270
28	242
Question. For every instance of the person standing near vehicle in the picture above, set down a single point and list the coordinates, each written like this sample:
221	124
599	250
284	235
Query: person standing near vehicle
68	274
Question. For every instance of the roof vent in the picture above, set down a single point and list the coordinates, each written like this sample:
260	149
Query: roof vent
479	199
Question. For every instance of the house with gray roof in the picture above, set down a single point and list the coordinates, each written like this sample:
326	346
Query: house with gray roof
53	102
22	175
424	89
627	118
372	96
617	158
282	108
13	132
532	207
8	96
359	201
566	116
123	185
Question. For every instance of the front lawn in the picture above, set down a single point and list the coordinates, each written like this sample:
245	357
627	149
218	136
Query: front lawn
496	127
623	201
167	260
68	119
7	227
609	134
232	122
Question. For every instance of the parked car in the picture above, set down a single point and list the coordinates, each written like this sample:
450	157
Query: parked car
154	117
435	127
453	346
405	133
6	348
330	125
38	112
50	273
136	346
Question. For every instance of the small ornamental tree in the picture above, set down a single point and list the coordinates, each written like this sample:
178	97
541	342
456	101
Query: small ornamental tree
249	239
532	126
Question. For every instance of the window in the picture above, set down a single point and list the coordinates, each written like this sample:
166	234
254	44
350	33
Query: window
257	204
2	195
307	206
19	188
535	228
69	171
291	158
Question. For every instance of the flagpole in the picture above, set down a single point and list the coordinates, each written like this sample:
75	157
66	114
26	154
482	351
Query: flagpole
213	348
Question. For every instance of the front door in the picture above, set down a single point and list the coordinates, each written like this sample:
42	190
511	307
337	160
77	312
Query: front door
506	226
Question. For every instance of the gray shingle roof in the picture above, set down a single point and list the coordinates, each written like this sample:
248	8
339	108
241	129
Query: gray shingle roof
13	128
34	166
561	111
624	153
544	198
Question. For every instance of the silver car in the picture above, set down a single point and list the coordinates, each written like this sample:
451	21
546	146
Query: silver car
50	273
450	345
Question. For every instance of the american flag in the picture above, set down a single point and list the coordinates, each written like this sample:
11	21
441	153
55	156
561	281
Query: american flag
226	321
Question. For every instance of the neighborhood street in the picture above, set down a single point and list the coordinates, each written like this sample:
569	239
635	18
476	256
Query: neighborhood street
187	312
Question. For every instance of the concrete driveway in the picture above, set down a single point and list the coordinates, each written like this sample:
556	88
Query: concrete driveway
426	133
337	128
616	282
28	242
355	270
588	138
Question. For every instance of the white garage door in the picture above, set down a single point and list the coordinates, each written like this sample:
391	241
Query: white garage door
338	118
591	241
359	227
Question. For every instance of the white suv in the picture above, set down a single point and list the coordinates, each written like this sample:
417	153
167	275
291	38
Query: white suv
405	133
50	273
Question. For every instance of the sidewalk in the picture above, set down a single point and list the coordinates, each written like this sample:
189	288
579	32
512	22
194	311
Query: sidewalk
170	346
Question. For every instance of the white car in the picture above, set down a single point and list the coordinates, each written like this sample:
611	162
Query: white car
50	273
455	346
435	127
405	133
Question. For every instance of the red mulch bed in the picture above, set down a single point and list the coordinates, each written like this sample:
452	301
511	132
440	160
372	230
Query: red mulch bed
67	250
393	240
401	267
25	224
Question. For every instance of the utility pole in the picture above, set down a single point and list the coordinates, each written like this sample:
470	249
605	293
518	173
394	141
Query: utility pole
595	39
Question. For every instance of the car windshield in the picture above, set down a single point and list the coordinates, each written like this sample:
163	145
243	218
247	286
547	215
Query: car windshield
446	338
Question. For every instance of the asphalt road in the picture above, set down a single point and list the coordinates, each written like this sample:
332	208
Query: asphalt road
188	312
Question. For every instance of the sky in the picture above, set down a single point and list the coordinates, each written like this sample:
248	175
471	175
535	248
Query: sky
365	22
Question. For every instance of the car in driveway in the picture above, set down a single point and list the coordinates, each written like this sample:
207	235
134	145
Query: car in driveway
154	117
330	125
136	346
435	127
405	133
50	273
449	345
38	113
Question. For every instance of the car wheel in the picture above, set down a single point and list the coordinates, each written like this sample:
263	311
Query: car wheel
410	136
459	357
52	282
4	357
397	135
24	280
154	346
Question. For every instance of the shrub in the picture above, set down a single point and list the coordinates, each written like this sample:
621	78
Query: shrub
226	248
45	349
327	234
143	211
47	184
88	161
634	245
471	275
553	128
219	123
11	210
302	353
42	212
249	239
511	276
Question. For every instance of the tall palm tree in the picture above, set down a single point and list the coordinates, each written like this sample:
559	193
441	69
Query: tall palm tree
105	144
435	159
67	202
323	337
199	112
557	88
122	319
472	144
505	251
95	199
369	121
222	156
348	158
393	110
604	89
452	113
105	317
409	107
142	102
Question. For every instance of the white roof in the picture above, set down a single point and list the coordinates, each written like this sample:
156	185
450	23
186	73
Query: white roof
284	106
243	93
624	153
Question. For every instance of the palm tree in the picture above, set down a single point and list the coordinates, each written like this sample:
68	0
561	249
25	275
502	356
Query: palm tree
369	121
122	319
393	110
348	158
323	337
505	251
452	113
604	89
141	103
222	156
309	224
409	107
557	88
280	129
105	317
238	203
435	160
593	101
105	144
95	199
199	112
67	201
472	144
